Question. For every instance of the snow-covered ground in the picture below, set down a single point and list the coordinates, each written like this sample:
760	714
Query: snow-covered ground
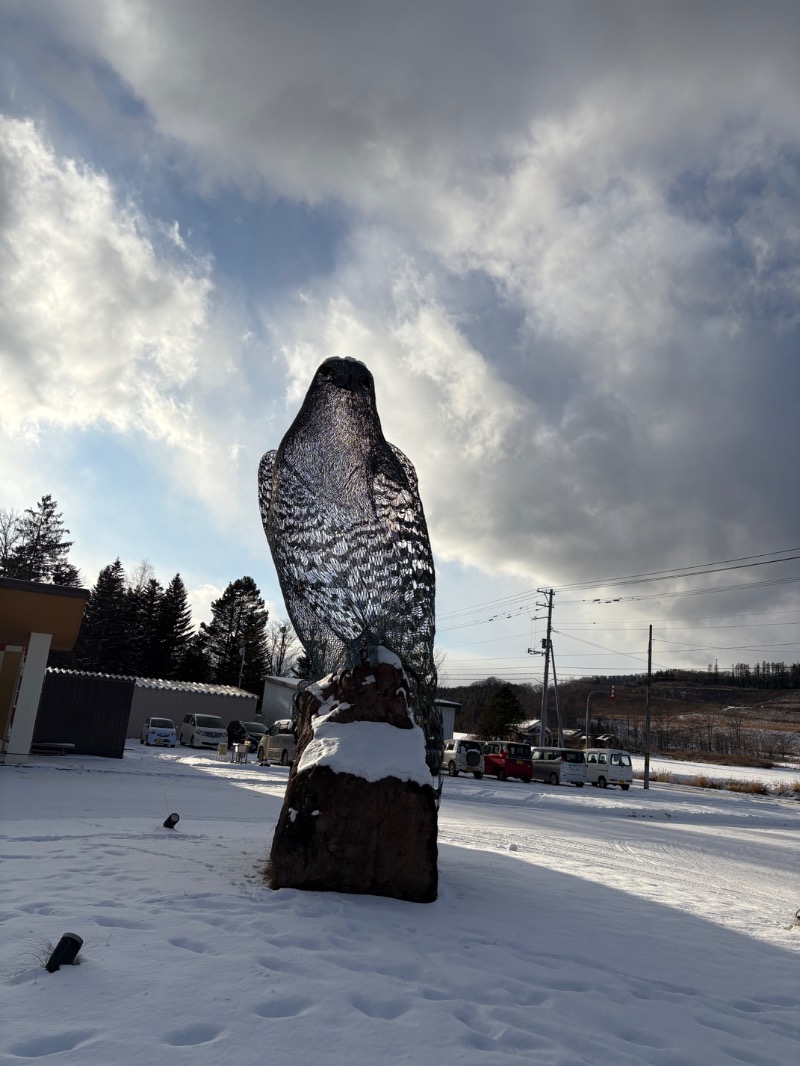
573	926
785	775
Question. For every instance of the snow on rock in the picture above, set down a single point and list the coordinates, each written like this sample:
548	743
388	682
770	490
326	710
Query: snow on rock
372	750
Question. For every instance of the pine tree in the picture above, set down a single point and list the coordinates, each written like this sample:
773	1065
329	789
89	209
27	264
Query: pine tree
172	634
195	664
104	639
40	552
501	711
235	636
143	657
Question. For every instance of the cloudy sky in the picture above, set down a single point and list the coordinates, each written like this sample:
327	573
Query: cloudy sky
564	237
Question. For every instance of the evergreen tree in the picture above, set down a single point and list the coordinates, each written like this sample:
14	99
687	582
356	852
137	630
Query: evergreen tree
172	636
502	711
143	657
301	667
236	636
40	552
104	637
195	664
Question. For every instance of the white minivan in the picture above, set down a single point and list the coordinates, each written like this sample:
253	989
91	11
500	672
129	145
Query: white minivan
559	766
609	766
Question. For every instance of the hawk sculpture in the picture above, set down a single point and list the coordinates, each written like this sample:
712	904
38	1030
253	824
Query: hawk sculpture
345	525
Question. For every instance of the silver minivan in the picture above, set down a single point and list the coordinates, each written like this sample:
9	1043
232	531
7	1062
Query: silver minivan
559	766
609	766
278	744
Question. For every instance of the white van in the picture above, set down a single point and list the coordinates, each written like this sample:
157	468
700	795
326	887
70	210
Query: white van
559	766
609	766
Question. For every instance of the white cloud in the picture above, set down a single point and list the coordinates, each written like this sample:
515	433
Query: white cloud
97	325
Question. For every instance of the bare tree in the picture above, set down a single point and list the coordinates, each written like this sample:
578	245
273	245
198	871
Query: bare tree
282	646
10	535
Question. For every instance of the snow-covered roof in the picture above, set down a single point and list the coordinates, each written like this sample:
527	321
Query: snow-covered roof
161	683
287	682
194	686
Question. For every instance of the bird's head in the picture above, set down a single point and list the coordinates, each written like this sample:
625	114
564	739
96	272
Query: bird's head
348	374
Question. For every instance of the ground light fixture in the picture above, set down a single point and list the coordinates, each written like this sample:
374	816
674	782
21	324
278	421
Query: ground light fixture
65	952
171	821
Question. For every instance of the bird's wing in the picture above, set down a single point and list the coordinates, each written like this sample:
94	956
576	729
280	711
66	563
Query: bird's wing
265	471
407	559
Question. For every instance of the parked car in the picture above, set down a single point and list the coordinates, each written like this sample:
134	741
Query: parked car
504	758
158	731
203	731
278	743
559	766
463	757
238	732
609	766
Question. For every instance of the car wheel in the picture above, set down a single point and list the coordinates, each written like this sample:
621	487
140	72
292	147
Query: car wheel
451	769
579	784
191	741
147	743
601	781
141	741
284	758
501	775
526	780
554	780
478	775
624	787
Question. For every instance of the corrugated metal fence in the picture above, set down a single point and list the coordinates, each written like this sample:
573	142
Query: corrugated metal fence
89	711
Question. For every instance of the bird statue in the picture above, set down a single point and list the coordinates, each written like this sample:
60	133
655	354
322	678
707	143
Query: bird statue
344	522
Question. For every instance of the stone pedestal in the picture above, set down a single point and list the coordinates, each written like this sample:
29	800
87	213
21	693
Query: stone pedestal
359	813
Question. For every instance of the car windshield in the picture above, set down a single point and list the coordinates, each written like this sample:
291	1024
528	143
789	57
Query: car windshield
161	723
620	760
209	721
255	727
572	756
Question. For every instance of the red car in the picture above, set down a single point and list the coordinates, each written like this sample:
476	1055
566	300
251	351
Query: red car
505	758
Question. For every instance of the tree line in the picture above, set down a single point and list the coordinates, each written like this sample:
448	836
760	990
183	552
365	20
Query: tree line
135	626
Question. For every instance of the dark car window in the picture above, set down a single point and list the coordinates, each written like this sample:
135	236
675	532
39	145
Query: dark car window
572	756
519	751
161	723
209	721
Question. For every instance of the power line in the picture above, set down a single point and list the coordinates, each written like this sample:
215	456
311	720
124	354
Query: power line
693	570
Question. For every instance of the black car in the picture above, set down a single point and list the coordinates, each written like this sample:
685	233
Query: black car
238	732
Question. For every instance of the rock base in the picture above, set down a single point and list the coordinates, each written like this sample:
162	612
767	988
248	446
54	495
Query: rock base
340	831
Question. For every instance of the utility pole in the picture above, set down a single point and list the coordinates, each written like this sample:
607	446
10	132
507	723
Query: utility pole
242	650
546	653
555	693
647	712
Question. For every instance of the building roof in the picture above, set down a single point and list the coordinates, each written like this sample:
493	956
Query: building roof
28	607
161	683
